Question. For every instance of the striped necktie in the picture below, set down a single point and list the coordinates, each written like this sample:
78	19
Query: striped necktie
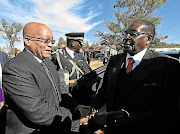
50	78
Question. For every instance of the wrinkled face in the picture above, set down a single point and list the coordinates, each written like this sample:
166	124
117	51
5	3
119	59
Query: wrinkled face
41	44
136	39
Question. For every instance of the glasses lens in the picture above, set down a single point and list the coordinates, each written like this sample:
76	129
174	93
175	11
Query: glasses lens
52	41
47	41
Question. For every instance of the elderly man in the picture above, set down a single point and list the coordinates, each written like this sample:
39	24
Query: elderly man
140	86
32	87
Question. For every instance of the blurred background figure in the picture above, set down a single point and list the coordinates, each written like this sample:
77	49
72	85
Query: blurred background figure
3	58
63	47
17	52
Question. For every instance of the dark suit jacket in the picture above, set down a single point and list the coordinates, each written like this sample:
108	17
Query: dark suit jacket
3	58
30	95
150	92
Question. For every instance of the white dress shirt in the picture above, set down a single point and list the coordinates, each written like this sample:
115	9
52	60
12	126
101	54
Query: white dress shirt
70	52
137	58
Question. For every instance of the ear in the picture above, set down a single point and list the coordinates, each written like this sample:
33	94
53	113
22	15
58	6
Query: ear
149	39
27	41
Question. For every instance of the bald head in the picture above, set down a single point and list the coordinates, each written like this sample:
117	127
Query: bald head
34	29
38	39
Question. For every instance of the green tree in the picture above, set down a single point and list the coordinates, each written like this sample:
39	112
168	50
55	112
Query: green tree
61	41
126	12
9	32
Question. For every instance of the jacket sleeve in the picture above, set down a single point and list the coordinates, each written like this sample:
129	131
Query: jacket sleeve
22	89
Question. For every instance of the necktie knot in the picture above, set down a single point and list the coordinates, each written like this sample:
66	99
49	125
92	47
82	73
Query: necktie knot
130	65
131	60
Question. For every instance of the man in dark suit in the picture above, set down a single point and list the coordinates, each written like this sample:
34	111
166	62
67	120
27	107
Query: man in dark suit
32	87
140	86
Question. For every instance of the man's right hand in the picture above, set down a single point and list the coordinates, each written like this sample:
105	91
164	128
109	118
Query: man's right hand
1	104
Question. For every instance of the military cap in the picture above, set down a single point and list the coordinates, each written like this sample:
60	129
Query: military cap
74	36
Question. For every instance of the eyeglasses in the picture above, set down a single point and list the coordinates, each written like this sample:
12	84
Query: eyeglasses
133	34
45	41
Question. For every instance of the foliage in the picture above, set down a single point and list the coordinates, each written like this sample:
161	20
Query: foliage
9	32
126	12
94	44
61	41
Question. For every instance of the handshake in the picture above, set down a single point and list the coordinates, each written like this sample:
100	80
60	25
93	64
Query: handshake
115	117
86	113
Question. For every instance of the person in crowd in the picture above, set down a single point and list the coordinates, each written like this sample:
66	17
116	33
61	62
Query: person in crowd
63	48
17	52
87	56
3	110
32	87
140	87
72	61
3	58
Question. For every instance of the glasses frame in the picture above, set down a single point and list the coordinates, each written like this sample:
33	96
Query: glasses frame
45	41
135	34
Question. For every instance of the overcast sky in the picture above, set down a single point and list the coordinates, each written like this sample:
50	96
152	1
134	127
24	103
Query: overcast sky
63	16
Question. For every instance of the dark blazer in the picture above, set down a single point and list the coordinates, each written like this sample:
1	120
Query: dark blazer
3	58
150	92
32	101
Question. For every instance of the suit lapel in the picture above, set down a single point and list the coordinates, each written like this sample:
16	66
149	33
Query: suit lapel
148	54
119	63
34	62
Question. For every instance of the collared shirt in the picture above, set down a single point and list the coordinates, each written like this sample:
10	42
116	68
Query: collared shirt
137	58
39	60
70	52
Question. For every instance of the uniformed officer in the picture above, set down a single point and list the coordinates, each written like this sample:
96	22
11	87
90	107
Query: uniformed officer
72	60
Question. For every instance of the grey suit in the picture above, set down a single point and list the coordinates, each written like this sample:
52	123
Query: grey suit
30	95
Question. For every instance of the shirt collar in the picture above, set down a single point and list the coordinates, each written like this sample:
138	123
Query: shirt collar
137	57
39	60
70	52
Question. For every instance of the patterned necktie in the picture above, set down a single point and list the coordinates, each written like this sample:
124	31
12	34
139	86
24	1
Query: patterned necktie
130	65
50	78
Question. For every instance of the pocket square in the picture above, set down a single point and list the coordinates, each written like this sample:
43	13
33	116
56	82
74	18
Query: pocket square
150	84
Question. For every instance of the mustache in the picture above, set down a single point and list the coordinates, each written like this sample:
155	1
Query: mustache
127	42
